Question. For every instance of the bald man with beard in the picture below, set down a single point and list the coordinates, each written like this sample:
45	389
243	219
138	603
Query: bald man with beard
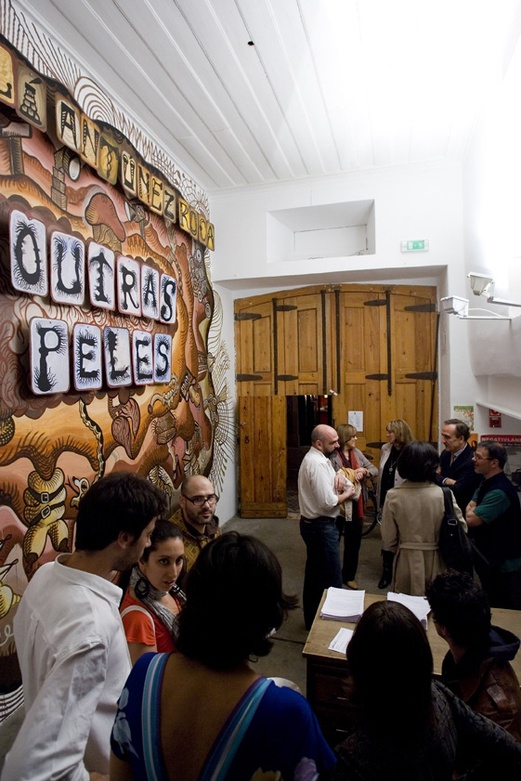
320	491
196	516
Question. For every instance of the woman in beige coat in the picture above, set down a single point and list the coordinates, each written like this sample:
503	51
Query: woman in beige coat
411	520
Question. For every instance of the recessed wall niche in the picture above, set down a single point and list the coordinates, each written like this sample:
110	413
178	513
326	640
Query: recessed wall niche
327	231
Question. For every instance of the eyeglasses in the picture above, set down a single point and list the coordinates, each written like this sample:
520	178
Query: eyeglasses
198	501
477	457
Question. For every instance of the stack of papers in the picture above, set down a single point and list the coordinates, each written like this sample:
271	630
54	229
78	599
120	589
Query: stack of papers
343	604
341	640
418	605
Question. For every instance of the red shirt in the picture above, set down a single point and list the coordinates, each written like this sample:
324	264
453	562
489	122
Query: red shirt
142	626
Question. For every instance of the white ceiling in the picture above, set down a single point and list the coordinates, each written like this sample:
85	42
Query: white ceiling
328	86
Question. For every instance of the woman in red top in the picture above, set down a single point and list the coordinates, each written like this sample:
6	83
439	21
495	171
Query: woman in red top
153	600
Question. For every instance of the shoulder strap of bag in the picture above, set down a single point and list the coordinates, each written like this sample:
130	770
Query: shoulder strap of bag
449	506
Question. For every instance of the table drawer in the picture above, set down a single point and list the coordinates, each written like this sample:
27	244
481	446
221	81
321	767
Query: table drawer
331	689
334	723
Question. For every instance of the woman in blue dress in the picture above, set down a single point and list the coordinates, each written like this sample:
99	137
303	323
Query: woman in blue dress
204	714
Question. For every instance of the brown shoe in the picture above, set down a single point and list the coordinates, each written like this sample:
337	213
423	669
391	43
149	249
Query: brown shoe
352	584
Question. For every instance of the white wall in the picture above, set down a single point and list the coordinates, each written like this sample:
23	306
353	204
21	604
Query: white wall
227	507
492	225
410	203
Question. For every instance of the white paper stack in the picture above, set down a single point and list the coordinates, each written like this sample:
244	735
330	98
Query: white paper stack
343	604
418	605
341	640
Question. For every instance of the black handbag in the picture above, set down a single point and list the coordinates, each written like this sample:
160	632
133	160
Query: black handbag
453	543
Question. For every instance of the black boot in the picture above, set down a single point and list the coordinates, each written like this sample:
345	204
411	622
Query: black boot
387	571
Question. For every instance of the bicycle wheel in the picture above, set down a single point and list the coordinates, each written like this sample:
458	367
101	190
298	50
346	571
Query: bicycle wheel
371	518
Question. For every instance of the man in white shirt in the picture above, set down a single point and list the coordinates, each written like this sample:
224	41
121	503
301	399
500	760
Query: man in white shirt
320	491
70	641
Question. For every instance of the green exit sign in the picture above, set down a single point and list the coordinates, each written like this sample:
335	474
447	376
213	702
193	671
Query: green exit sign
415	245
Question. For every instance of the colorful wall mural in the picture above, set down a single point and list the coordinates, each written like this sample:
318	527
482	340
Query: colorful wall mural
110	349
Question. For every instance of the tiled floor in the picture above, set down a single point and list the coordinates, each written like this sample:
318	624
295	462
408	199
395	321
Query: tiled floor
283	537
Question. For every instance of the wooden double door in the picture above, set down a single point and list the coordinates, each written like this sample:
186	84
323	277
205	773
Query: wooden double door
373	348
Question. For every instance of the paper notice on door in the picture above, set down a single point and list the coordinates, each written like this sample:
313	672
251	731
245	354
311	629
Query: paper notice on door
356	418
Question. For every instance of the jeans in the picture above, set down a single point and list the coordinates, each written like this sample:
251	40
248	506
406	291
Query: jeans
323	567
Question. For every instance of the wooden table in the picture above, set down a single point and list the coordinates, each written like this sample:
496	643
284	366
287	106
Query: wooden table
326	685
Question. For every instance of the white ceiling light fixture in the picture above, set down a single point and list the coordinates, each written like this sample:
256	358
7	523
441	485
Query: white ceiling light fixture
481	285
455	305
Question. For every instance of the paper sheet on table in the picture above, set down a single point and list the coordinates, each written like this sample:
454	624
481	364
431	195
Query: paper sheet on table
343	604
341	640
419	605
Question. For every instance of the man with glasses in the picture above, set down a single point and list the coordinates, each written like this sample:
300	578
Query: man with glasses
196	516
494	518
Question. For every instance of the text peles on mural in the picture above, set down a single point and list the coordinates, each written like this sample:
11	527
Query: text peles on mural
119	283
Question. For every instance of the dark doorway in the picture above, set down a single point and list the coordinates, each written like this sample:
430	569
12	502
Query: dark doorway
303	414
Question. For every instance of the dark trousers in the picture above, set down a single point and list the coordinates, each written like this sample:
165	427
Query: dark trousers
322	563
352	533
503	589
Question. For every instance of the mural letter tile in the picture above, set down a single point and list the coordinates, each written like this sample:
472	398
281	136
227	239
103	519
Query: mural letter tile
49	356
87	357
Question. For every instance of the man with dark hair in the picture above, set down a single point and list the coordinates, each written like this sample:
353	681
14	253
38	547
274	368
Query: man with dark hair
477	666
456	465
70	641
494	519
196	516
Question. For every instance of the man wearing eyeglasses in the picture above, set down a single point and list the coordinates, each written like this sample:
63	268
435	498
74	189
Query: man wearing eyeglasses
196	516
494	518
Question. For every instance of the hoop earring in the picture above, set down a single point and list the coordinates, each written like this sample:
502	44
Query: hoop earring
142	587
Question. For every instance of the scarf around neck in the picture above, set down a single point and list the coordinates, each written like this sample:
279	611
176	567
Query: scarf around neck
151	596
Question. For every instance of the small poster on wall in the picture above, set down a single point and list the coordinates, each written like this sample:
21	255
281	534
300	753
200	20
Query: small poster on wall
465	413
494	419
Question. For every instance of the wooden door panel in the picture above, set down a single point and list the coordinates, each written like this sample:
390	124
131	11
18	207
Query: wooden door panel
262	457
254	348
413	336
361	327
374	346
303	365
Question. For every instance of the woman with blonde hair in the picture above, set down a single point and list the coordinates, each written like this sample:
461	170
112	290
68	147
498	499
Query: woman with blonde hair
358	469
398	434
